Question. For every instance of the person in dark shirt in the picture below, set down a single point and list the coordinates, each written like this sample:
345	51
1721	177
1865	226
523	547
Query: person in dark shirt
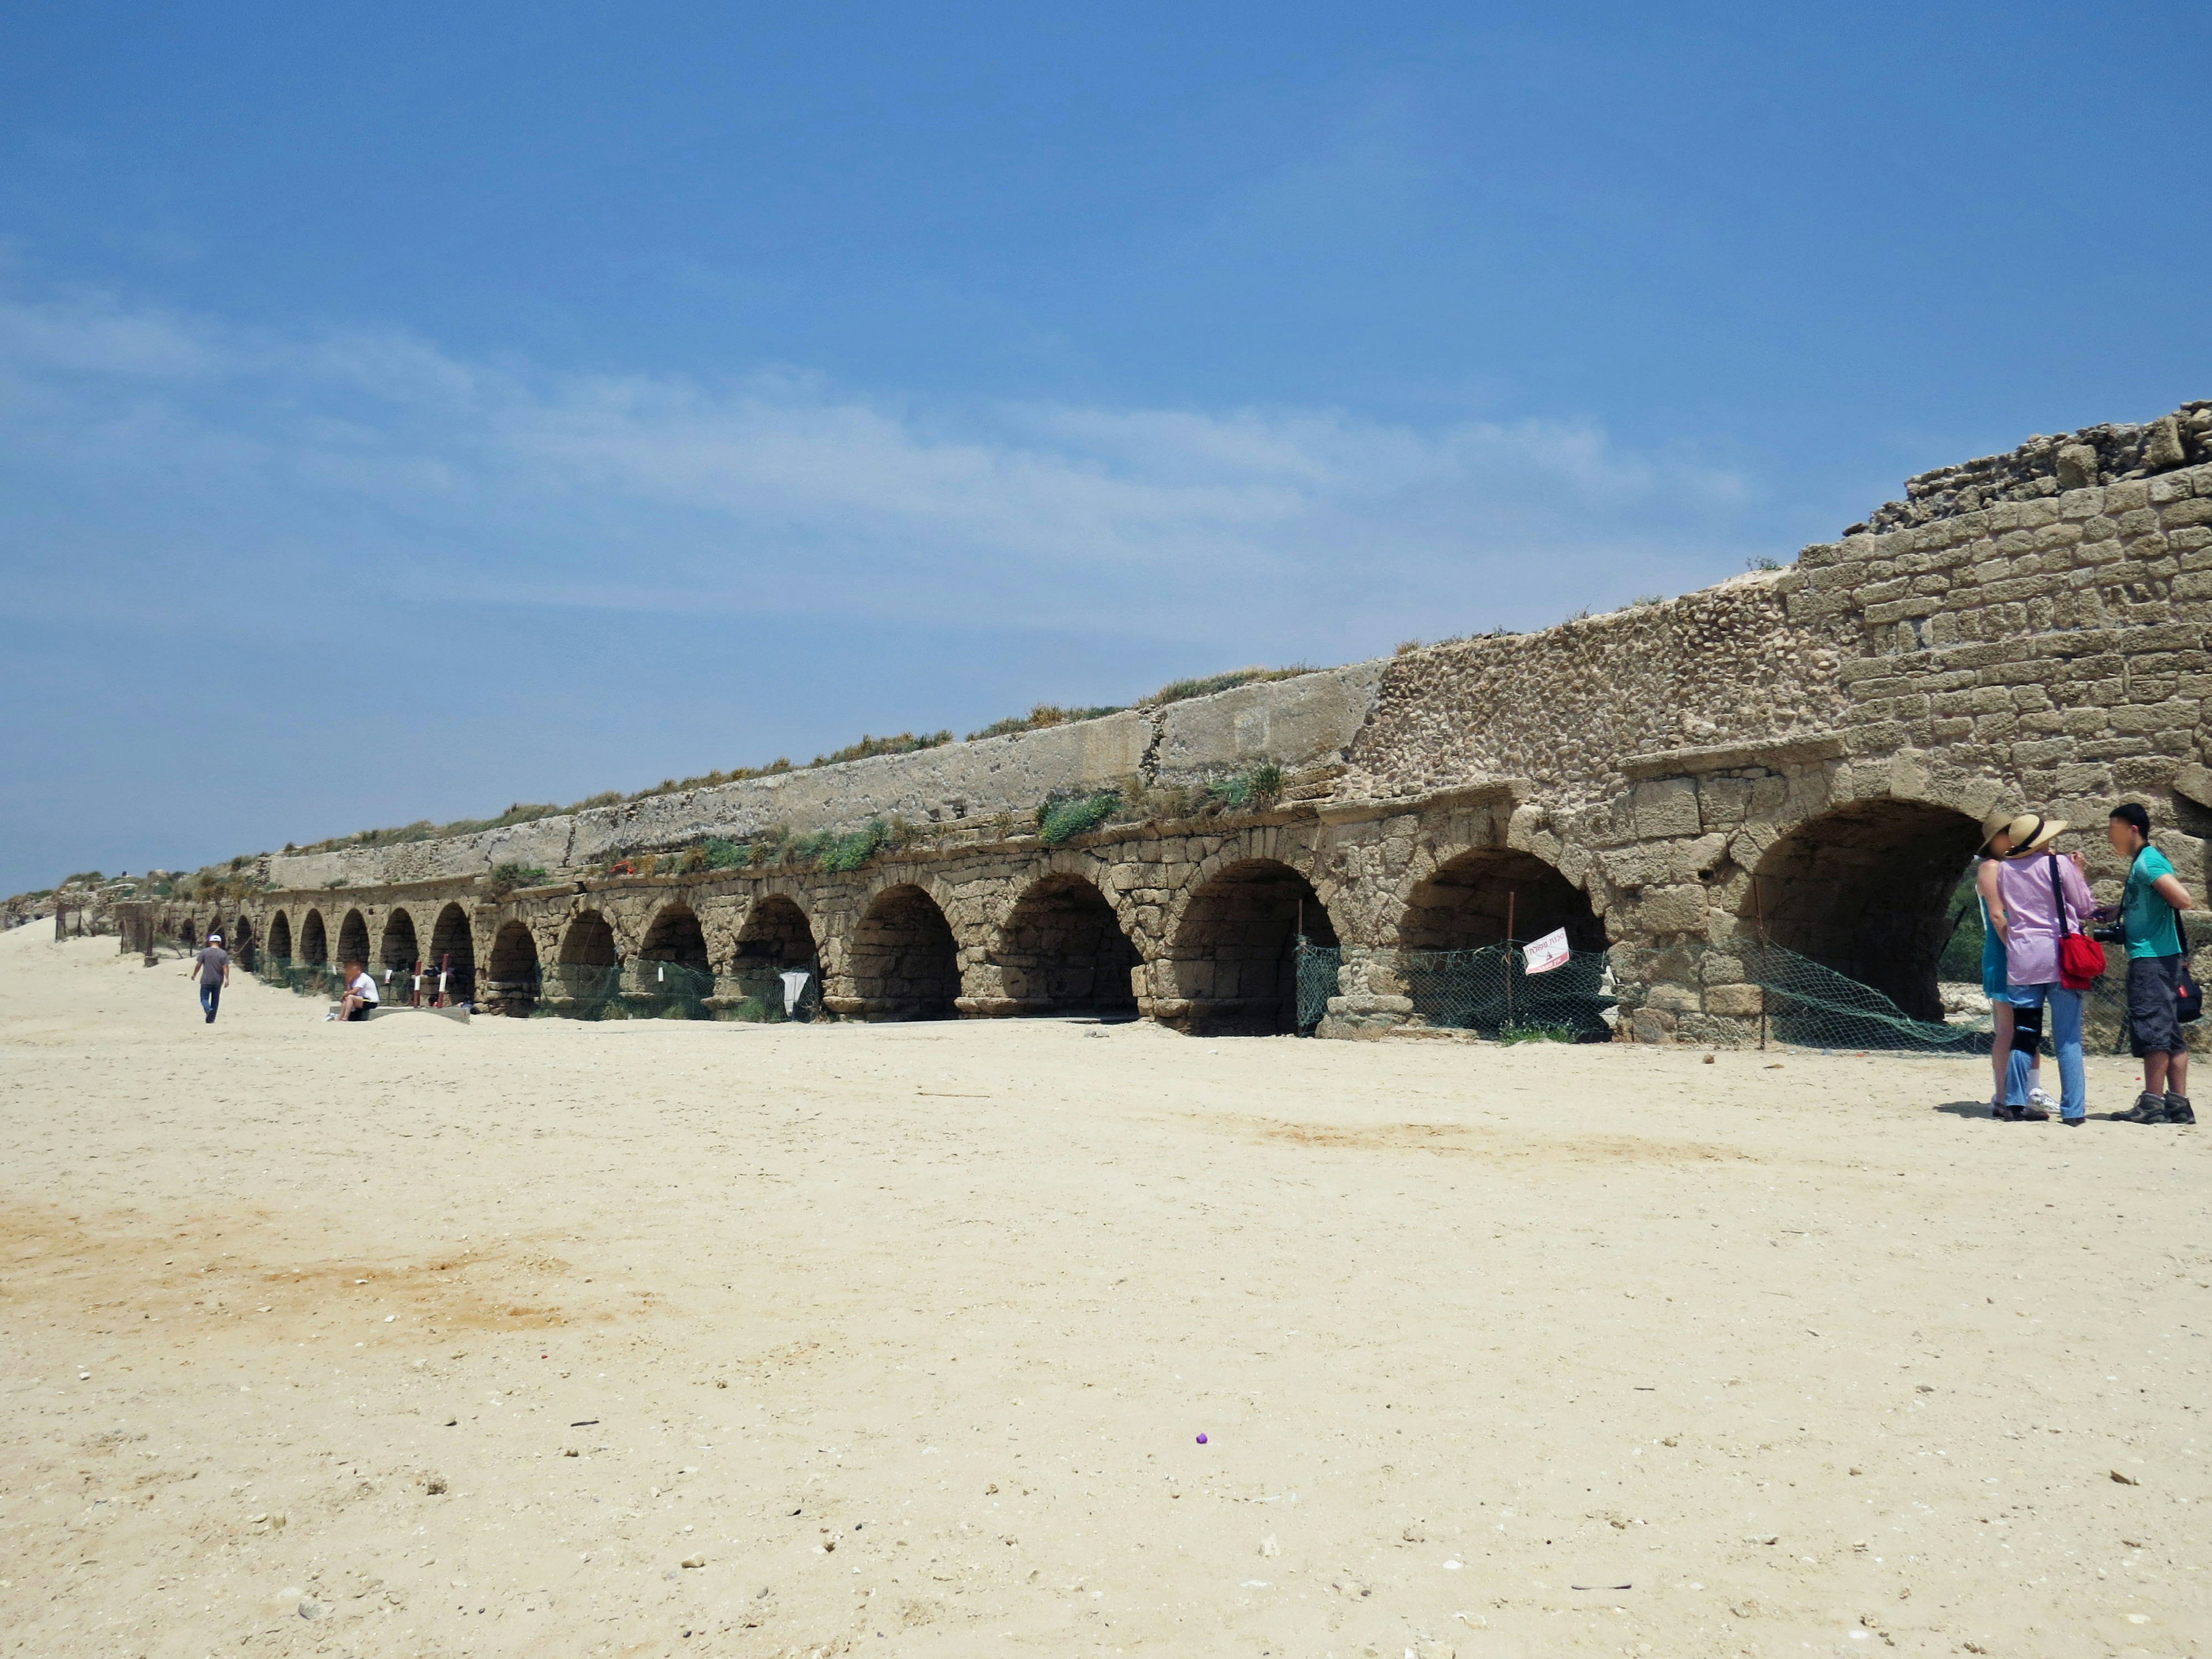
211	968
2149	910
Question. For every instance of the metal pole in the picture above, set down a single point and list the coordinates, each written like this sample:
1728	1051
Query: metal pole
1510	895
1759	909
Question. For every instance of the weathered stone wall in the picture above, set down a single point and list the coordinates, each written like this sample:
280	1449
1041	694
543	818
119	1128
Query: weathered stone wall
1299	722
1800	755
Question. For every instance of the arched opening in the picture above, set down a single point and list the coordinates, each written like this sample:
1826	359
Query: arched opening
353	938
672	976
244	946
1480	900
1234	962
280	937
1466	904
1063	951
905	964
1864	891
511	976
774	940
214	925
589	942
314	942
676	936
397	955
453	956
586	977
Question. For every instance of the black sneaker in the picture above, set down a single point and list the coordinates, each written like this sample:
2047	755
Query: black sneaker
2179	1110
2030	1113
2003	1113
2148	1109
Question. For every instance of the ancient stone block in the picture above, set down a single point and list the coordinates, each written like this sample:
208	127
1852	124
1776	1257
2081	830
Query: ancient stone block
1737	1000
1665	808
1679	909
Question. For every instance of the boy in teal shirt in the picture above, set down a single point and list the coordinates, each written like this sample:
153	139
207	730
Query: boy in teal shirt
2153	898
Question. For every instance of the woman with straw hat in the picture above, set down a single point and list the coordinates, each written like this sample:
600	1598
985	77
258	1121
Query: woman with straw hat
2042	898
2018	1094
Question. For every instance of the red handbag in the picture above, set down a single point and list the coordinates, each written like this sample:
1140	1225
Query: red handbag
2081	958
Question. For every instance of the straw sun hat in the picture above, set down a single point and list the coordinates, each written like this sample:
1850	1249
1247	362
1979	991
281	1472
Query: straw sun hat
1993	825
2031	832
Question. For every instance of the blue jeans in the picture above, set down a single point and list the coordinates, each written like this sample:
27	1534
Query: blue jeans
2066	1033
210	994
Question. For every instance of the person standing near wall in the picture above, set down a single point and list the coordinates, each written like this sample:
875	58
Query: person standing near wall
211	968
2019	1097
2150	907
2044	898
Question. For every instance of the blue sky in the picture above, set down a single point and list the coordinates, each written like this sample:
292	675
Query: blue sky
408	410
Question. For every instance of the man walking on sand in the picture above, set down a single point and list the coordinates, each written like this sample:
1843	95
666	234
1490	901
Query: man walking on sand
2150	907
211	967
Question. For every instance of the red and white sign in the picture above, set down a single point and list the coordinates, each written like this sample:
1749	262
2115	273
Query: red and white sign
1543	954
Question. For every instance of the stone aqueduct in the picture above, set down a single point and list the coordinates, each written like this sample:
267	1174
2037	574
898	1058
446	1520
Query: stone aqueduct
1805	750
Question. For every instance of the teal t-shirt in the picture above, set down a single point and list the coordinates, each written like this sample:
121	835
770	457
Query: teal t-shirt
2149	918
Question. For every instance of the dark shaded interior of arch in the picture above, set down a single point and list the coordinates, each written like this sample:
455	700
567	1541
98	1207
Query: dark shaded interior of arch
676	937
453	953
1063	951
775	938
589	942
905	963
1235	954
399	952
353	938
1865	891
511	974
1466	904
243	945
314	944
280	936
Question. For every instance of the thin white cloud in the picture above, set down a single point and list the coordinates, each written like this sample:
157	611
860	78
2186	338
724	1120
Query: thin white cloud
383	459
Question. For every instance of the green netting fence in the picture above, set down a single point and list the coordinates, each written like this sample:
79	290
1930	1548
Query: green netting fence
1806	1004
1489	990
1774	994
1318	969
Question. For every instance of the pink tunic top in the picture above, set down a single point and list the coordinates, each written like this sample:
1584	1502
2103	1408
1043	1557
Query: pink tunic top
2024	883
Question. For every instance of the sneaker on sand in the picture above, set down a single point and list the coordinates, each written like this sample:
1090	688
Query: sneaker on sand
2003	1113
2148	1109
2031	1113
2179	1110
2037	1097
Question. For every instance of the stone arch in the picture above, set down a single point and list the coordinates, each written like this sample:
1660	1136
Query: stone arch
353	938
243	945
1062	949
905	962
280	937
1233	964
676	936
511	970
314	940
453	953
1863	889
399	951
1464	904
776	936
588	941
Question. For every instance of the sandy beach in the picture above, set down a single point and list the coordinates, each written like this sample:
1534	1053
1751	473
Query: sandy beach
419	1338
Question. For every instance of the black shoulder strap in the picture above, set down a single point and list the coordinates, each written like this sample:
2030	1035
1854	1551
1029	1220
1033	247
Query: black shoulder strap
2058	900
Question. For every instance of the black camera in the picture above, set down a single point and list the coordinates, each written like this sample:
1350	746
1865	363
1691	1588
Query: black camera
2115	934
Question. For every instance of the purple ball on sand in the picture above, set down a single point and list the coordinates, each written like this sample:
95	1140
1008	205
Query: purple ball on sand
1201	1440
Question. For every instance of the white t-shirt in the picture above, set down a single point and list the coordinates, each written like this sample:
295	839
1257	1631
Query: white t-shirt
363	987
